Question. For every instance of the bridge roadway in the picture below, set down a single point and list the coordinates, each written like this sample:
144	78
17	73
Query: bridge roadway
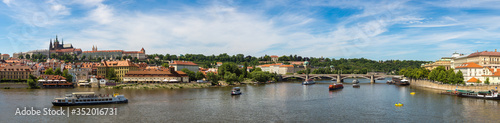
340	77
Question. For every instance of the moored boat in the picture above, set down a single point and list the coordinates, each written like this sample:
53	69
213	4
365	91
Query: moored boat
335	86
308	82
88	98
403	82
236	91
492	94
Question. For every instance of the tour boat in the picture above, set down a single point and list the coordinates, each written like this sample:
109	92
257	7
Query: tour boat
88	98
308	82
492	94
355	85
335	86
403	82
236	91
83	83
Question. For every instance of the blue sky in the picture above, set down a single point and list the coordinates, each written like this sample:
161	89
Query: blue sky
379	29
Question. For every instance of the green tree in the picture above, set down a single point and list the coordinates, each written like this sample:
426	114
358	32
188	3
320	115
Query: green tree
487	81
244	70
32	82
165	65
231	78
191	74
111	74
199	76
460	77
21	57
229	68
28	56
69	77
49	71
212	77
451	77
58	71
260	76
442	76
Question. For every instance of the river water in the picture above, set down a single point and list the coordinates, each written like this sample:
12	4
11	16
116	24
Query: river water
276	102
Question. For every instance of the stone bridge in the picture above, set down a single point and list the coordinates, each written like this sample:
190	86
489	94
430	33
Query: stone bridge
338	77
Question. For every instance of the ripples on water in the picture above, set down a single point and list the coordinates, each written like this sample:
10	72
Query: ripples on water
278	102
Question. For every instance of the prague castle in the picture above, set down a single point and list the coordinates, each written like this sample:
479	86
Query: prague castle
61	48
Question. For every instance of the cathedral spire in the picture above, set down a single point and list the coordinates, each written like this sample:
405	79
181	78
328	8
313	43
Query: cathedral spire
57	39
50	46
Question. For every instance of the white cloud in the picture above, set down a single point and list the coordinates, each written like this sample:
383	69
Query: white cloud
103	14
6	2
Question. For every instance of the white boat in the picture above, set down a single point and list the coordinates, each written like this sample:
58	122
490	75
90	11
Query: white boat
355	81
88	98
308	82
236	91
83	83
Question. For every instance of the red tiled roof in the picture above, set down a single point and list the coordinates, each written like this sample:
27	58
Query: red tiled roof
102	51
286	66
52	77
183	63
124	63
155	73
274	56
473	79
469	65
5	54
132	52
484	53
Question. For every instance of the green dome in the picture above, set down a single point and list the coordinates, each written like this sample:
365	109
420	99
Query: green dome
306	63
331	66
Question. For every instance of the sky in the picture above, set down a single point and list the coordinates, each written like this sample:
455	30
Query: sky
373	29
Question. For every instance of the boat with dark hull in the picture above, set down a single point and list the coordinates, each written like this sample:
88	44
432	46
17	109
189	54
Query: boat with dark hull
403	82
492	95
308	82
236	91
88	98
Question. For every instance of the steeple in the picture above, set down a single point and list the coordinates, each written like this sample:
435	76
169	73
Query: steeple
50	46
57	39
93	48
143	51
62	41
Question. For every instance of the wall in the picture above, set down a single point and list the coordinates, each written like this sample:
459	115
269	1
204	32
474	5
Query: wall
433	85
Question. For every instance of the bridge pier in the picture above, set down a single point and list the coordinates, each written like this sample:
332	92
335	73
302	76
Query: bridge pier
338	79
372	79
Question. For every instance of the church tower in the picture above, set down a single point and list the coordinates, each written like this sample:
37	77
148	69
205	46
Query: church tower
143	51
50	46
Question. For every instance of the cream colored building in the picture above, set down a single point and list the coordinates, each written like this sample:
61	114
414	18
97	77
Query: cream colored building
121	68
15	72
179	65
445	61
156	76
489	59
473	72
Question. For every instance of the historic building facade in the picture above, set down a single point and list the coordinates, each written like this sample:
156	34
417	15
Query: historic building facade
113	54
121	68
15	72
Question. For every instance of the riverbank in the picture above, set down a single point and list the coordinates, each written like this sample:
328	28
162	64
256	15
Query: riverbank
160	86
439	86
6	85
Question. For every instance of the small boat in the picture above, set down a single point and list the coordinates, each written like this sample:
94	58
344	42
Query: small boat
201	81
270	82
83	83
355	81
335	86
380	78
308	82
88	98
236	91
403	82
355	86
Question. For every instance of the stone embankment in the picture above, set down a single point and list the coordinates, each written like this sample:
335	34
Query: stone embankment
439	86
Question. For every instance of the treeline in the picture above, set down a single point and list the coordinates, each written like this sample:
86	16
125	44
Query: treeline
446	76
437	74
231	73
58	71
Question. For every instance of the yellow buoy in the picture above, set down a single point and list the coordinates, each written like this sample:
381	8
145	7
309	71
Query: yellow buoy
398	104
412	93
